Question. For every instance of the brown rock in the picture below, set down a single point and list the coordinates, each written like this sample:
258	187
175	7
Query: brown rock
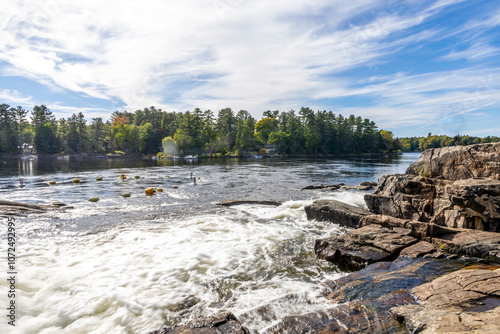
336	212
459	162
358	248
450	304
224	323
419	249
470	243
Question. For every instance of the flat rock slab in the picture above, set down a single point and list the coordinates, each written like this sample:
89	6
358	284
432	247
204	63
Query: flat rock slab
224	323
336	212
241	202
465	301
9	208
357	248
420	249
382	278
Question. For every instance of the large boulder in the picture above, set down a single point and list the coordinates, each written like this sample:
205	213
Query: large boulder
336	212
459	162
358	248
471	203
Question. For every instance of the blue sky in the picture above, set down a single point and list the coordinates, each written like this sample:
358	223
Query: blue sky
413	67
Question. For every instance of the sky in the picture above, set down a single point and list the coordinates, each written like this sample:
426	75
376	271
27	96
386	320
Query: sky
414	67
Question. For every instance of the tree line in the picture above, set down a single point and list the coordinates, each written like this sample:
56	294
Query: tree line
151	130
412	144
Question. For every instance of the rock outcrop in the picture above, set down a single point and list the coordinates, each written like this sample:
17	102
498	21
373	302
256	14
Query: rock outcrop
465	301
445	207
459	162
458	187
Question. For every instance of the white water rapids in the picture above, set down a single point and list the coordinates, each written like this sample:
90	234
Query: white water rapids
133	265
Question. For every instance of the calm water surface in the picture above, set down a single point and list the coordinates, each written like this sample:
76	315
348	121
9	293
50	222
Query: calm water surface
131	265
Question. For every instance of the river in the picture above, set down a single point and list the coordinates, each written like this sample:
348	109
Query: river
132	265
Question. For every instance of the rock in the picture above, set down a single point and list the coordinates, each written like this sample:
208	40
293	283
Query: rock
324	186
419	249
471	203
8	208
381	278
336	212
465	301
126	195
357	248
99	178
224	323
76	181
470	243
240	202
94	199
52	183
359	187
354	317
459	162
368	183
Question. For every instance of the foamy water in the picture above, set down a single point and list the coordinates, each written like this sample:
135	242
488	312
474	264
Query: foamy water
132	265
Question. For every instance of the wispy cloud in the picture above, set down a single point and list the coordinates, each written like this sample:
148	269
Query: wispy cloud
252	55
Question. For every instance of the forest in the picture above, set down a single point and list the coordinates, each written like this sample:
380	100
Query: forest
146	131
151	131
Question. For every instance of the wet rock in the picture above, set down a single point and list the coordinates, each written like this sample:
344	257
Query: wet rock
353	317
459	162
465	301
336	212
379	279
357	248
358	187
241	202
224	323
8	208
324	186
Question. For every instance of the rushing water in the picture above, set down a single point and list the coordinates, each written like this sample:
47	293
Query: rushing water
131	265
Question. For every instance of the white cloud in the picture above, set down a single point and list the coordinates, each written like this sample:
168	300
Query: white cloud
14	97
252	55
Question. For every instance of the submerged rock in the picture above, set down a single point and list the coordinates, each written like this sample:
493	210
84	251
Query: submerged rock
224	323
8	208
241	202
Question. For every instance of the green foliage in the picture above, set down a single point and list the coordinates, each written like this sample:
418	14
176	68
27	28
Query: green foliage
150	130
410	144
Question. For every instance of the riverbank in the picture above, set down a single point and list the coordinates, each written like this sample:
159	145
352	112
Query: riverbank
425	257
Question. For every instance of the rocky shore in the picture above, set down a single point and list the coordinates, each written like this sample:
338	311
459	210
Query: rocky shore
425	257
